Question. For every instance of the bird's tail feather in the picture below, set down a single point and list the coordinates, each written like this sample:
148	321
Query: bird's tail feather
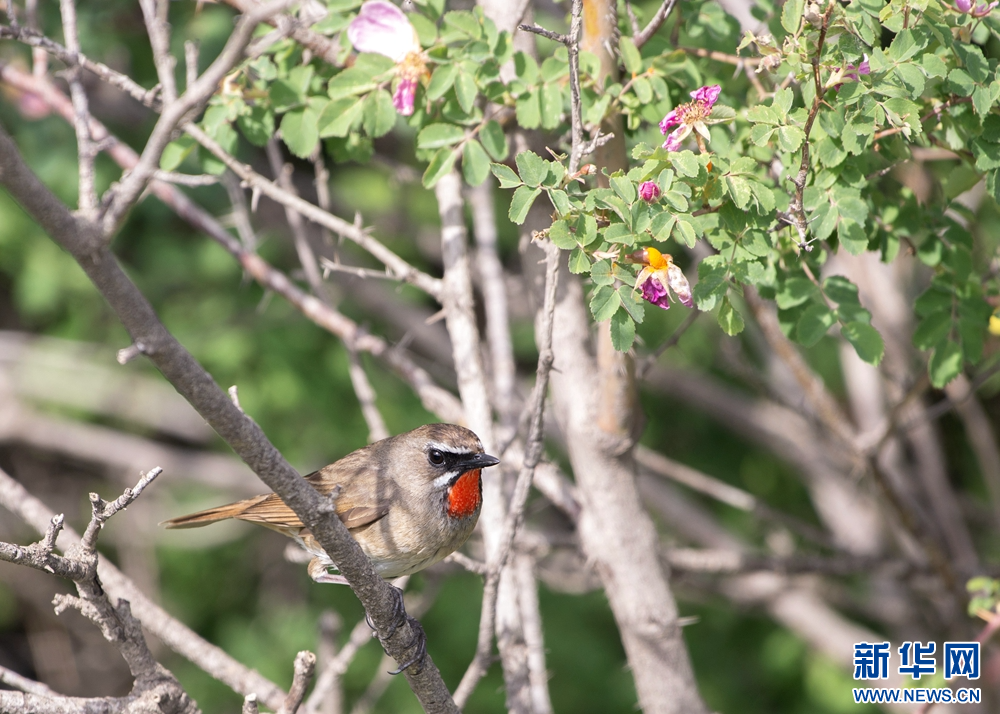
212	515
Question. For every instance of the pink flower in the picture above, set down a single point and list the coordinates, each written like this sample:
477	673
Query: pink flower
690	116
659	277
382	28
969	7
649	191
850	73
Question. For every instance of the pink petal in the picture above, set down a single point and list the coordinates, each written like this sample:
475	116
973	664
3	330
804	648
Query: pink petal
707	95
680	285
964	5
673	142
404	95
655	292
649	191
382	28
668	121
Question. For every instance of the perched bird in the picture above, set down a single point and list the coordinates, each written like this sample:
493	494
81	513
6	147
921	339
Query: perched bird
409	501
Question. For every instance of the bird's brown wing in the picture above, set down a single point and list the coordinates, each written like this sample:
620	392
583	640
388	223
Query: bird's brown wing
269	510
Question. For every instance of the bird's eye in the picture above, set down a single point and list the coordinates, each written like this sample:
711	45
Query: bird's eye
435	457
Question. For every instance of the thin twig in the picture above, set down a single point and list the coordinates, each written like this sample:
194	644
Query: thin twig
377	429
307	258
399	267
796	209
154	13
435	399
86	151
650	360
305	666
533	453
654	23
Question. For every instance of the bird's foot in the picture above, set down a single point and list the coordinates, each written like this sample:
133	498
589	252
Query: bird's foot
318	571
419	640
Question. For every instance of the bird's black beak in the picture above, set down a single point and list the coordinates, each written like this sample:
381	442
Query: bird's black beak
477	461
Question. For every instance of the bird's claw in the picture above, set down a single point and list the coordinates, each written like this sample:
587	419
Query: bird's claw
419	639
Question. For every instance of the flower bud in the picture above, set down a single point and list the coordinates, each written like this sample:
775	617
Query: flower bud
649	191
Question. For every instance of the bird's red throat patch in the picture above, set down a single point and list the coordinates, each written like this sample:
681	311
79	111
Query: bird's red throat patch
464	496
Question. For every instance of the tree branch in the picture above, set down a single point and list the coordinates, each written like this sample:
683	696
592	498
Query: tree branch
84	241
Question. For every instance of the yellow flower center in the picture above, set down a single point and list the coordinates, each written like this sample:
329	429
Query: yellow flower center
412	66
656	259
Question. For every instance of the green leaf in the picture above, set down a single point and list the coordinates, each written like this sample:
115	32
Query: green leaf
791	15
562	237
795	292
685	163
521	202
560	201
465	22
285	95
630	55
529	110
684	232
475	163
782	102
441	164
551	105
622	331
465	91
352	81
505	175
739	189
730	320
624	187
852	236
604	303
176	151
441	81
586	229
945	364
813	324
601	273
435	136
790	138
932	329
494	140
841	290
579	263
633	303
974	61
912	78
532	167
379	114
526	68
712	283
338	117
866	340
961	83
300	131
258	125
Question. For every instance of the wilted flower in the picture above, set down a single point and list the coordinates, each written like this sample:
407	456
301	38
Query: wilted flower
850	73
649	191
691	115
969	7
382	28
658	277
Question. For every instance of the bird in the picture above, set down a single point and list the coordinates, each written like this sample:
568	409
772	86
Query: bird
409	501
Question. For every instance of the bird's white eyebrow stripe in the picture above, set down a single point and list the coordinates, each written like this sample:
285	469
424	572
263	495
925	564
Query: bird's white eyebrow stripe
449	448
